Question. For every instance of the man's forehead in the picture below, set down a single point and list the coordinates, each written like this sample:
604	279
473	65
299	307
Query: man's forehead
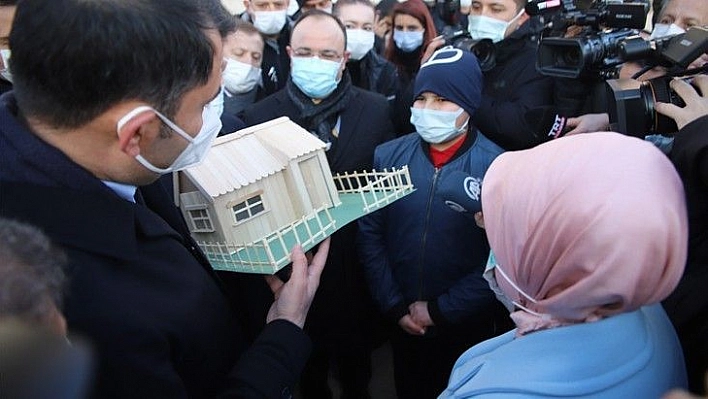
317	30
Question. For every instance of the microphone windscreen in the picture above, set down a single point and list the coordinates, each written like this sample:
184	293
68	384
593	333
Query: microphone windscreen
546	122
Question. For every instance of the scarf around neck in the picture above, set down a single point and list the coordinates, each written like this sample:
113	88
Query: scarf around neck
319	119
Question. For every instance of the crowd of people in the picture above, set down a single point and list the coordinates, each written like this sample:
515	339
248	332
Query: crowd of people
524	264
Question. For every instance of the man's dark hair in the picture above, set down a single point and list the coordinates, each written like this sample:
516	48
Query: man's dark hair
5	3
224	21
31	276
341	3
73	59
319	14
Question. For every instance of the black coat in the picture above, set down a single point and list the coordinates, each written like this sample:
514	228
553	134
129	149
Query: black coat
140	290
374	73
342	311
512	88
687	306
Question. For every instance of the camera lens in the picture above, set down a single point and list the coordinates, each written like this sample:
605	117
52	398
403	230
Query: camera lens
659	90
569	57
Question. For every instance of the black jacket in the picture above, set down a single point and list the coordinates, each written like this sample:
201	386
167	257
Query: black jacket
342	311
512	88
275	68
687	306
374	73
140	289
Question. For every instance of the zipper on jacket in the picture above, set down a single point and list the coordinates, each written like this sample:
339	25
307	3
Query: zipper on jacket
425	233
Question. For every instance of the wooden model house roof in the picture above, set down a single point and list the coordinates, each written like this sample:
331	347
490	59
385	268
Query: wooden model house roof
251	154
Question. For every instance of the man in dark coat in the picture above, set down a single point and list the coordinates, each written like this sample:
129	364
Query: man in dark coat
319	97
513	86
687	306
82	141
271	19
366	67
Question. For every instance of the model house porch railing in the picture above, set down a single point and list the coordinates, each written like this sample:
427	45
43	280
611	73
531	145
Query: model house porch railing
361	193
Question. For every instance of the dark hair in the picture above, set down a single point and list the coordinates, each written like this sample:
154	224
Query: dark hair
319	14
73	59
31	275
224	21
418	10
343	3
6	3
247	28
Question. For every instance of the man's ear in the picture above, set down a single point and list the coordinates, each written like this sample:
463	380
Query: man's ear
133	128
289	50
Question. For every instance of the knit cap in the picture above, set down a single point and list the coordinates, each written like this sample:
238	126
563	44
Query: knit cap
453	74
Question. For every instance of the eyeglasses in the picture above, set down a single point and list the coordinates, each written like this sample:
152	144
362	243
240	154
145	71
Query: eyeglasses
329	55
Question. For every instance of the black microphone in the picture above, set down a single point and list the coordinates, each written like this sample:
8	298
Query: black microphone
461	192
546	122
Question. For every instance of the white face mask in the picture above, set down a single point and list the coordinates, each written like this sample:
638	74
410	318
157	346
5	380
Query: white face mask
240	77
198	147
269	22
465	3
437	127
483	27
662	30
359	42
5	71
408	41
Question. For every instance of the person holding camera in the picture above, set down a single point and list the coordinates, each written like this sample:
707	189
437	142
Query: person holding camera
513	86
674	17
688	304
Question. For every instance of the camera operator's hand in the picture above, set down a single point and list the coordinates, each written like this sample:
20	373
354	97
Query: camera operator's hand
696	105
434	44
293	299
588	123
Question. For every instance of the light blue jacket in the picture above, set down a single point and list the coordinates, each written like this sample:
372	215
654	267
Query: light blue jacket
631	355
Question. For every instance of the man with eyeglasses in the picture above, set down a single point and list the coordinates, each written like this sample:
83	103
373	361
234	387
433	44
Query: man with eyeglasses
320	97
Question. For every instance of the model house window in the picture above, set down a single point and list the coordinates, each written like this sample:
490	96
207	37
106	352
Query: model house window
248	208
201	222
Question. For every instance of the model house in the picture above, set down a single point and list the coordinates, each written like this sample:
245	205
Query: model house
263	189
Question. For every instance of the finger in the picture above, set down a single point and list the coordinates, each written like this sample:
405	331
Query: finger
299	260
274	283
319	260
684	90
479	219
670	110
701	81
572	122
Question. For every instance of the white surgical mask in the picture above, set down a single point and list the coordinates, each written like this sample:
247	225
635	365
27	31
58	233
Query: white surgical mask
5	71
315	77
240	77
500	271
465	3
662	30
198	147
328	10
489	276
435	126
269	22
359	42
408	41
484	27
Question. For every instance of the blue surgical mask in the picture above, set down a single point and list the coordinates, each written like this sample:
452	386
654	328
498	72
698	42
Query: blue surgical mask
437	126
489	276
197	147
408	41
315	77
483	27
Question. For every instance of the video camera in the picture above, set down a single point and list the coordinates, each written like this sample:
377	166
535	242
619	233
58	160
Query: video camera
483	49
631	103
596	49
